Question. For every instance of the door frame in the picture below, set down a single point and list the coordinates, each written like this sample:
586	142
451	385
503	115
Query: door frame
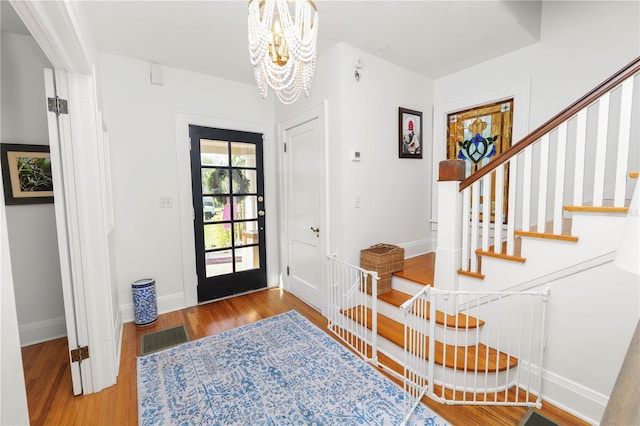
185	196
319	112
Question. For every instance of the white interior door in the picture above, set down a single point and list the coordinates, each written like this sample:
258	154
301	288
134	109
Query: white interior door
59	136
305	208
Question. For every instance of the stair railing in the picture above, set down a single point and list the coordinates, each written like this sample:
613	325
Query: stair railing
540	178
348	316
490	355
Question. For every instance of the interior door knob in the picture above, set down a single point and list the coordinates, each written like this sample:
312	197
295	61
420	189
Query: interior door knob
316	230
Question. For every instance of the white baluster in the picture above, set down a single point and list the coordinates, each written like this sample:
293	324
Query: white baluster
486	211
466	229
601	150
526	189
623	143
475	215
511	208
581	137
558	204
542	183
498	210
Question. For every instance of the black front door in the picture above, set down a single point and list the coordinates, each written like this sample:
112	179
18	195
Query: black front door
228	203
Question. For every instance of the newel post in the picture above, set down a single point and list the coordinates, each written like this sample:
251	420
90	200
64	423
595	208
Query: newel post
449	244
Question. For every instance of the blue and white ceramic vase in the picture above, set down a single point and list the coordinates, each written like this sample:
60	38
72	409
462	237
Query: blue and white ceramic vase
145	307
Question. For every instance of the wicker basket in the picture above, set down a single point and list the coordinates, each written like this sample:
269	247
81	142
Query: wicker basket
385	259
384	284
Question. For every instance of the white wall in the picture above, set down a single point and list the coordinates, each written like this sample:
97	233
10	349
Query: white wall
363	115
581	44
32	228
591	318
145	159
13	396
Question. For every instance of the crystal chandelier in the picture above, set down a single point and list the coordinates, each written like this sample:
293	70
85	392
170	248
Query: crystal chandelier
282	47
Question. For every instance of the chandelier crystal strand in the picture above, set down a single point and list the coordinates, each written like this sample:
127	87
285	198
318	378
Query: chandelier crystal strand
284	61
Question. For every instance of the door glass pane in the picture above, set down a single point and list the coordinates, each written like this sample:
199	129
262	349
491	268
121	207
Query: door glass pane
218	263
246	233
245	207
217	236
215	181
243	154
214	153
247	258
244	181
213	208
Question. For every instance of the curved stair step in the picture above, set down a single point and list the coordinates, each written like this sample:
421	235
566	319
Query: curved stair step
397	298
478	357
458	395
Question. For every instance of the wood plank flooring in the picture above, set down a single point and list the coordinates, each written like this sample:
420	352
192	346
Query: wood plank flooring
48	378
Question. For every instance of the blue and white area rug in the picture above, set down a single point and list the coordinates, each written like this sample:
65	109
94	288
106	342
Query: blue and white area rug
282	370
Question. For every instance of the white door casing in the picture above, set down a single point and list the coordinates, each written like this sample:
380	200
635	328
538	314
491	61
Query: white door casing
304	206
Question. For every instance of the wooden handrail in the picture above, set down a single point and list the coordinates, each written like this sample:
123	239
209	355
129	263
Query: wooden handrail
606	86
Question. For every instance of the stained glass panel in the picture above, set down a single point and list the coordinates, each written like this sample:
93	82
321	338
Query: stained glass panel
477	135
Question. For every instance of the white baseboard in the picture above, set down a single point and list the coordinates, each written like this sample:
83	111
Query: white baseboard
42	331
416	248
119	329
573	398
168	303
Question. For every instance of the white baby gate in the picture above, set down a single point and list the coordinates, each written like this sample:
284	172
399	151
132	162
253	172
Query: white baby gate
487	347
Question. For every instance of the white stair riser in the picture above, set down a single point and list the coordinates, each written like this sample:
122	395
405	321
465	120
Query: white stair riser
467	381
460	336
405	286
598	235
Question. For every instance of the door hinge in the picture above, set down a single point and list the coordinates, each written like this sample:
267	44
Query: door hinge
285	146
287	270
77	355
57	105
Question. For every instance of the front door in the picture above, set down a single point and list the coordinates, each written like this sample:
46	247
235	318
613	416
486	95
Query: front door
229	216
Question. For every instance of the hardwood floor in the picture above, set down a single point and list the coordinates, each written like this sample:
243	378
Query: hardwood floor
419	269
48	378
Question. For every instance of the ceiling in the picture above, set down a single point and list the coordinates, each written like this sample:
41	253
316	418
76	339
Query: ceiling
433	38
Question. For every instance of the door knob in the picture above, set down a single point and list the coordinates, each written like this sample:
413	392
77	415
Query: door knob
316	230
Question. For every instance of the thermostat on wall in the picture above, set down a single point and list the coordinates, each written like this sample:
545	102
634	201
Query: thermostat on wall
355	155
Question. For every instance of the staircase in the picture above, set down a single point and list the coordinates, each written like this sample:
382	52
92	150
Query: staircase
478	335
469	364
579	166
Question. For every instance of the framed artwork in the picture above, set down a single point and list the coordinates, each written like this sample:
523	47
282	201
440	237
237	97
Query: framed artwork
26	174
410	123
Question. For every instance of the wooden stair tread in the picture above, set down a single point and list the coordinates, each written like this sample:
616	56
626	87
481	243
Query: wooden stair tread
397	298
503	256
418	269
547	236
449	393
471	274
447	355
597	209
